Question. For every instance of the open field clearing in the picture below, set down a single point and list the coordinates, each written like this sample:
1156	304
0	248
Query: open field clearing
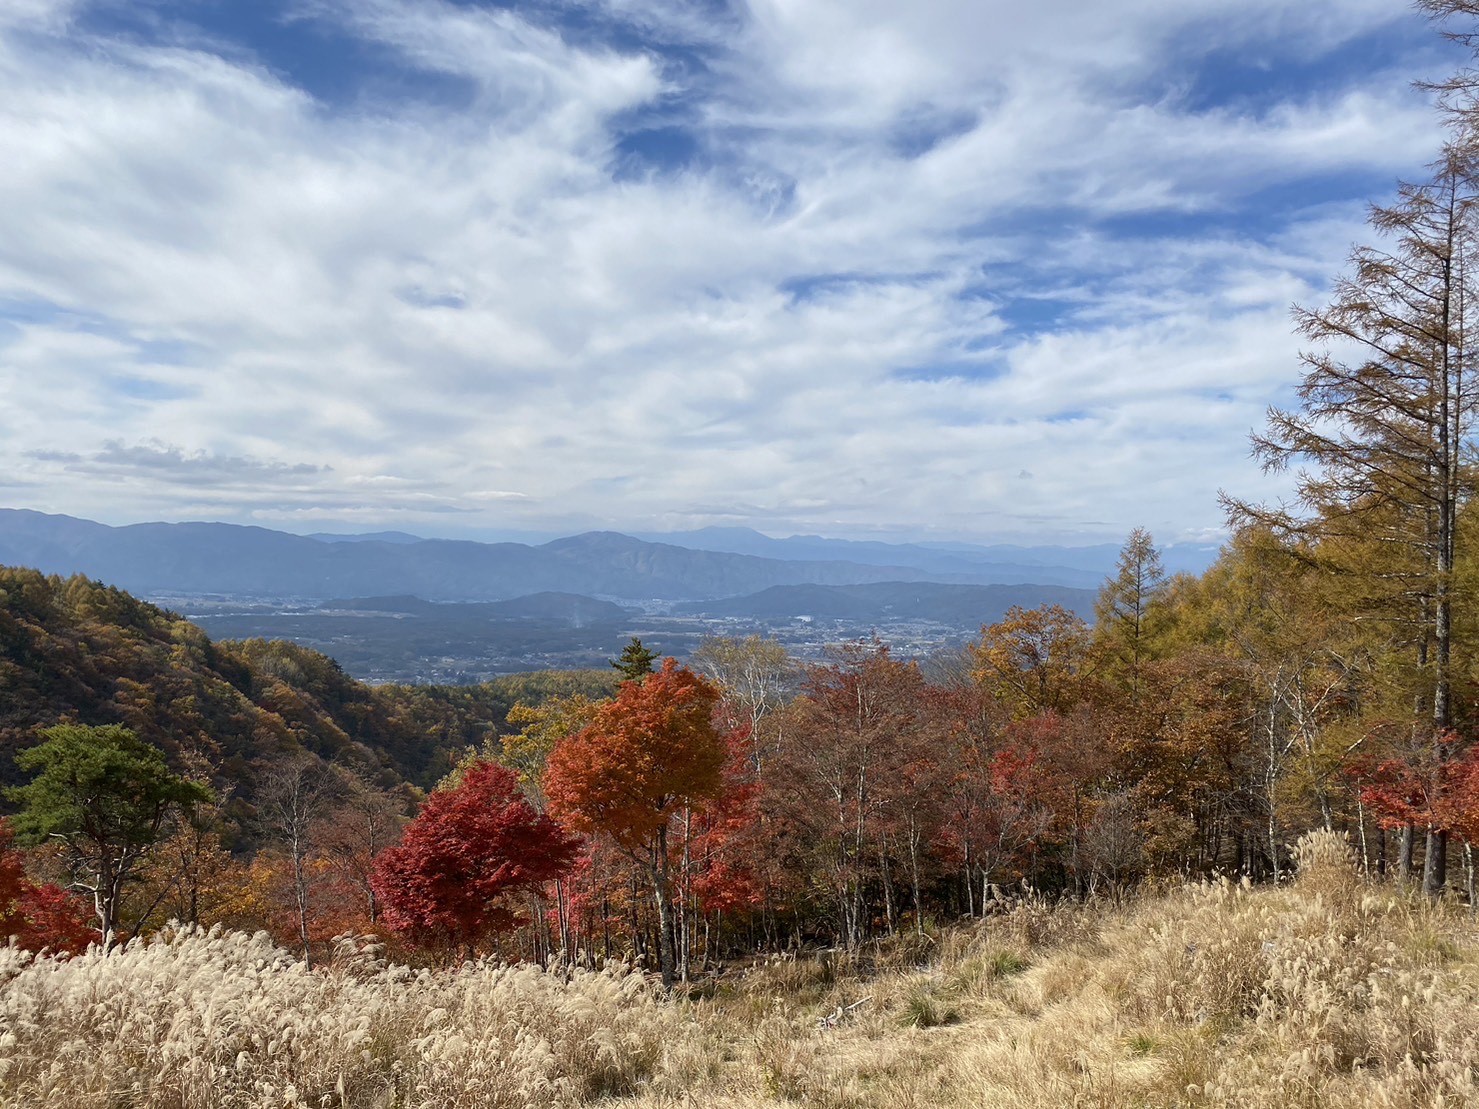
1329	992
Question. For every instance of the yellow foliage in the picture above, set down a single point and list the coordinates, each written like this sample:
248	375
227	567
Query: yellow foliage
540	729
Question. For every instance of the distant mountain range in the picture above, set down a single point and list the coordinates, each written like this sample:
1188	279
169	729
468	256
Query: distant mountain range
200	558
714	563
1003	564
454	611
365	537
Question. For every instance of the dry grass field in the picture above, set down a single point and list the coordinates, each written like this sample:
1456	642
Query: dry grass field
1328	992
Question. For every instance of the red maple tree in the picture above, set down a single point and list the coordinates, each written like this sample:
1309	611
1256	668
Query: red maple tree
38	915
1433	787
447	882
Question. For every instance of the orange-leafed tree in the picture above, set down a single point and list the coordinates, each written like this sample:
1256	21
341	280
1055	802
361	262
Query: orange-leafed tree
1036	660
646	757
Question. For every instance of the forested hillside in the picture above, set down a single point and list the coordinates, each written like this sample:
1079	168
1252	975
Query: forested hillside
74	649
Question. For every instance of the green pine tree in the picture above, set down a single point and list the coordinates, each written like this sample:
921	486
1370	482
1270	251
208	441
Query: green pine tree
105	795
635	661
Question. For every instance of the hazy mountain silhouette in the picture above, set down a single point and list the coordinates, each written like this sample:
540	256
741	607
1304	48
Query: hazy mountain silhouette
196	558
210	558
1003	564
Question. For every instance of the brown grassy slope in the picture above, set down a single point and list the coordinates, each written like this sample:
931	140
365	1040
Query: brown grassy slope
1329	992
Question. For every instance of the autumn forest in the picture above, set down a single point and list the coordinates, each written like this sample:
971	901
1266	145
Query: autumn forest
1192	784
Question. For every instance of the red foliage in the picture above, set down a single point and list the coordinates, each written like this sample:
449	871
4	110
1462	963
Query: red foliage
55	920
39	916
470	846
1427	788
1003	812
597	894
1396	792
1459	806
726	886
726	844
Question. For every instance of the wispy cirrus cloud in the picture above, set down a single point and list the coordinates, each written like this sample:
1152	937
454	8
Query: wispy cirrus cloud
155	460
848	268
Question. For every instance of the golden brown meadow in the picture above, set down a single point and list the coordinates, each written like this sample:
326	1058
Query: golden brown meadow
1330	991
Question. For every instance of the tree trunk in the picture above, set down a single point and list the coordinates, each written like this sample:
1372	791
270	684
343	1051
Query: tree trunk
685	894
888	889
662	891
300	892
1469	875
914	879
103	901
562	910
638	950
970	892
1434	862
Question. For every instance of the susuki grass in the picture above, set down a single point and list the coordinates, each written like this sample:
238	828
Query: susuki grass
1326	992
223	1019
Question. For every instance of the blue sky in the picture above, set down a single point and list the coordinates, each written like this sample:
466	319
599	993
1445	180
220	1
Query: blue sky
951	270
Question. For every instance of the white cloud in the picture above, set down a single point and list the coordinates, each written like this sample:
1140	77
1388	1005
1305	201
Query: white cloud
420	312
37	16
527	76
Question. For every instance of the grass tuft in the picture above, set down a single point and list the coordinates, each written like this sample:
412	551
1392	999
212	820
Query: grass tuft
925	1009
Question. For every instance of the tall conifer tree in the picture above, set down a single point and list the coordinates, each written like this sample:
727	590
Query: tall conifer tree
1385	426
1125	611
